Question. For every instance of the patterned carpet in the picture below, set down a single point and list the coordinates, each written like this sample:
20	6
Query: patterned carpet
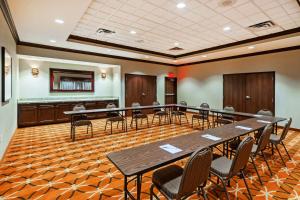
42	163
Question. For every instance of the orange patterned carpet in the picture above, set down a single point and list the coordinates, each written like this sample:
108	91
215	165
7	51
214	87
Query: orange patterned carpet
42	163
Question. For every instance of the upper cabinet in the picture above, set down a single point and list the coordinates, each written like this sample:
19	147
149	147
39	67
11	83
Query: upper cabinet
63	80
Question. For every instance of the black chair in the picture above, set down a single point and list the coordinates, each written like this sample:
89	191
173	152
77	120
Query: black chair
263	112
180	111
159	113
226	118
80	120
275	140
225	168
175	182
258	149
203	116
113	117
137	114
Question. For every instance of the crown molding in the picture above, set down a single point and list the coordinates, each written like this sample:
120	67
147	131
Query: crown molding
9	20
47	47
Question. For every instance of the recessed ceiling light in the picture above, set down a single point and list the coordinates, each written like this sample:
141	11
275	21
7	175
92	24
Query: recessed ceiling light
146	56
181	5
251	47
133	32
176	44
109	50
59	21
175	61
204	56
227	28
53	41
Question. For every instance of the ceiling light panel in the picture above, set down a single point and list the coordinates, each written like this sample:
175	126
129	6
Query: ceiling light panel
198	25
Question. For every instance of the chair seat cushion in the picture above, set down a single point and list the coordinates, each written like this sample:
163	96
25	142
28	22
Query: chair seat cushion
178	112
274	138
82	123
161	113
115	119
221	166
168	179
140	115
223	121
254	148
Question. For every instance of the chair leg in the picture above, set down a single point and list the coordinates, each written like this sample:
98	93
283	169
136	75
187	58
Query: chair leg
147	122
153	119
118	124
192	121
271	174
105	125
286	150
224	186
280	155
180	119
92	130
111	127
204	193
152	193
187	121
87	129
254	165
244	178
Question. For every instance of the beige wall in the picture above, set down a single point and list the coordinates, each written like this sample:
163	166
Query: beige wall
204	82
132	67
8	112
39	87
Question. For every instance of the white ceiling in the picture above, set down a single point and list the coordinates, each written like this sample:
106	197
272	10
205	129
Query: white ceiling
159	23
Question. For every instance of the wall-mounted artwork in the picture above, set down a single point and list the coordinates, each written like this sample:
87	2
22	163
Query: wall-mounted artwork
6	67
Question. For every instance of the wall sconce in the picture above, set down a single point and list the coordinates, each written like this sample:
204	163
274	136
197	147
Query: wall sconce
35	71
103	75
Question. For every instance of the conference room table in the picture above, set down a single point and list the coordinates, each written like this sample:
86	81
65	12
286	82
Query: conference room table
136	161
169	107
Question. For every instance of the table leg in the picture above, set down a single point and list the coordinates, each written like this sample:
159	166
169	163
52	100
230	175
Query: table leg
125	187
138	187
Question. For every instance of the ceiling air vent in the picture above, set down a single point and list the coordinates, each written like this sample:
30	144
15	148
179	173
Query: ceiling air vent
262	26
106	31
176	49
226	3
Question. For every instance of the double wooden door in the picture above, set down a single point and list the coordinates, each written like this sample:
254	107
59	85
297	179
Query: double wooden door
249	92
140	88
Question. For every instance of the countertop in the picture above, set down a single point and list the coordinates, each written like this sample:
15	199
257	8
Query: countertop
63	99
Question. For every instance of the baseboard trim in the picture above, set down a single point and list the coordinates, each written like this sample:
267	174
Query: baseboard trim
291	128
8	145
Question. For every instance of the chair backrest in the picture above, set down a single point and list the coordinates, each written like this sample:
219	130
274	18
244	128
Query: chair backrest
183	103
136	111
156	103
204	113
195	172
286	129
242	155
264	138
265	112
78	107
112	114
228	109
78	117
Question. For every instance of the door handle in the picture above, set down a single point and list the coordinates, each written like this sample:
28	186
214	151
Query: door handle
248	97
143	94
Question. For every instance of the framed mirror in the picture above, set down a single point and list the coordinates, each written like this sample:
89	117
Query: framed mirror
63	80
6	67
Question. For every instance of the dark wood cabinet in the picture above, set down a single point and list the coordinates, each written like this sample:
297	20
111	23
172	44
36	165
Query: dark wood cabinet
59	113
32	114
29	115
46	114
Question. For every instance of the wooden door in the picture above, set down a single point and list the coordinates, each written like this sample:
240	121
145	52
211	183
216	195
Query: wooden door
249	92
170	90
260	92
234	91
140	88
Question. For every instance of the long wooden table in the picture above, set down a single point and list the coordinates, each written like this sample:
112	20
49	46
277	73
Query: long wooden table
139	160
